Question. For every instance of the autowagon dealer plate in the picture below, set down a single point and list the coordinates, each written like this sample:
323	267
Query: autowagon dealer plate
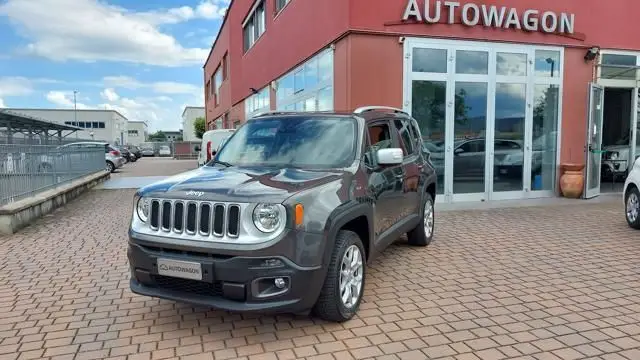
180	269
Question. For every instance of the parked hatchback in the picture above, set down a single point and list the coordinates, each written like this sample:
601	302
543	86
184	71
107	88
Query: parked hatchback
287	214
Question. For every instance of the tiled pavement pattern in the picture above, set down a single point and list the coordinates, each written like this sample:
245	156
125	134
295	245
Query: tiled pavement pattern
557	282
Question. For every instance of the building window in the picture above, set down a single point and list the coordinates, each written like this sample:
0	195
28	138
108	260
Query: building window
101	125
308	87
225	67
132	132
217	81
218	123
254	26
280	4
211	84
207	89
257	103
619	67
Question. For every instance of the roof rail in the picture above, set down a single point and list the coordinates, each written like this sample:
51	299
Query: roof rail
273	112
363	109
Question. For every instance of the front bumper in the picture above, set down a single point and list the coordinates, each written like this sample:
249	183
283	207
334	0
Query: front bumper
242	282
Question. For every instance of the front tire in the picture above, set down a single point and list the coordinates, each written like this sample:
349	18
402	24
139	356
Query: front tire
422	235
341	293
632	207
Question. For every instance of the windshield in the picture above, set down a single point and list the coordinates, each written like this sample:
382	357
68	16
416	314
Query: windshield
294	141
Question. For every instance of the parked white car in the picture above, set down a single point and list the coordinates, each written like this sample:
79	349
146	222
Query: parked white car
164	151
71	153
631	196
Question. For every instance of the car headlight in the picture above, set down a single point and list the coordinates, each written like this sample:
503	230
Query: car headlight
142	208
267	217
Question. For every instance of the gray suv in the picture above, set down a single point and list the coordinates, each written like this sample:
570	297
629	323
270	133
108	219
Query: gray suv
286	215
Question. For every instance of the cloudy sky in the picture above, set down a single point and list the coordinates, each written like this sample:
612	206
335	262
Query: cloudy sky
142	58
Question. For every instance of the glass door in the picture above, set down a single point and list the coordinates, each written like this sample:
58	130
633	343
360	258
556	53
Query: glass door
467	144
427	89
510	148
594	141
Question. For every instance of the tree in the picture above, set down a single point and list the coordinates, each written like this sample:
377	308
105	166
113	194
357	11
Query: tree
199	126
158	136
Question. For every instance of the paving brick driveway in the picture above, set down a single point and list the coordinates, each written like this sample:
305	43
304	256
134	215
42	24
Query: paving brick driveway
555	282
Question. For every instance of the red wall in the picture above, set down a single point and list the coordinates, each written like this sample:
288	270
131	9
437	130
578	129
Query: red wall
608	24
301	29
214	60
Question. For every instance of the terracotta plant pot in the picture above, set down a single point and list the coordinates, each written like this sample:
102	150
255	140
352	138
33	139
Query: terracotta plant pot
572	180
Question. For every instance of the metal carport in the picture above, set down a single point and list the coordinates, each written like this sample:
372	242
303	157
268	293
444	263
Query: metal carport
12	123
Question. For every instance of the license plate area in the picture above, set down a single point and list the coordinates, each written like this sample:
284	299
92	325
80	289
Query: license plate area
179	269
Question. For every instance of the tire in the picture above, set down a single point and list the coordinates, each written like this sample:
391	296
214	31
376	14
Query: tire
110	167
330	306
632	207
422	235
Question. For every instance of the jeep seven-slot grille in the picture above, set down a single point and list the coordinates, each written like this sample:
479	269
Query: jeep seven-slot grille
190	217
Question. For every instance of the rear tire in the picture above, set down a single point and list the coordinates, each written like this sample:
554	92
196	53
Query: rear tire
330	305
422	235
110	167
632	207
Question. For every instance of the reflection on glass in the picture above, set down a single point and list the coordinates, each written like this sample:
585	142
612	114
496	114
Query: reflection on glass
469	137
508	149
595	138
429	60
472	62
310	104
544	146
325	66
325	99
547	63
311	73
621	67
285	87
509	64
428	108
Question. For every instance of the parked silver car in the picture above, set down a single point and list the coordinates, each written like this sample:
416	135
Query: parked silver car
113	158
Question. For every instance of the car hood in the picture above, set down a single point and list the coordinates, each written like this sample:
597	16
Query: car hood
241	184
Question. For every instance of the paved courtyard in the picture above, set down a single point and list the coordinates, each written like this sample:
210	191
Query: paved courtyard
552	282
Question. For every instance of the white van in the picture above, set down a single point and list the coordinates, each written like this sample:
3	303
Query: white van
211	140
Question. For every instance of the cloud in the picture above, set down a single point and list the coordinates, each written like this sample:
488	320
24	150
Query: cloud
64	99
90	30
109	94
160	87
15	86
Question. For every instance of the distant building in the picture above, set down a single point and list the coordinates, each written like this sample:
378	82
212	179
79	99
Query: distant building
137	131
103	125
173	135
189	116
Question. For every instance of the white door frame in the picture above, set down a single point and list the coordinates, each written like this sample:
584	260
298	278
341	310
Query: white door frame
591	193
530	81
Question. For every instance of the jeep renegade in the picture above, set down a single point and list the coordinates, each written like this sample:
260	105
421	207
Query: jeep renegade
287	214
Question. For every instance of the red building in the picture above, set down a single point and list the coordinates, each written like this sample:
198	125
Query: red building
503	90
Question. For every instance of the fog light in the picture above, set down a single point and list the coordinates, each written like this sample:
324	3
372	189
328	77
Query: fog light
280	283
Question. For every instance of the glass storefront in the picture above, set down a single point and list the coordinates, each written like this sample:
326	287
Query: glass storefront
489	115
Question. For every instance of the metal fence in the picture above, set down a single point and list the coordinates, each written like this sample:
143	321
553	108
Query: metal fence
39	140
26	170
178	149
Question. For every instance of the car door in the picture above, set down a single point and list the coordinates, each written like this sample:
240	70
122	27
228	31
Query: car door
411	171
385	184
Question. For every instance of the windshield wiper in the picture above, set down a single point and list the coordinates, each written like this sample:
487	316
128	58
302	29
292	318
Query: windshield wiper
226	164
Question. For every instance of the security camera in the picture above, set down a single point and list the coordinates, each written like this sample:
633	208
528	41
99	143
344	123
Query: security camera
592	53
401	40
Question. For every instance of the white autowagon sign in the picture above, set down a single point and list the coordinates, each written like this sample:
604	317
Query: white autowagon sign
472	14
180	269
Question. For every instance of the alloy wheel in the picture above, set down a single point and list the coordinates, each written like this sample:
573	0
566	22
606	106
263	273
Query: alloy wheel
351	276
633	207
428	218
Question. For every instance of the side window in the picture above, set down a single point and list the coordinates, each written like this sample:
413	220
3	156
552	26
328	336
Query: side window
408	145
473	146
379	138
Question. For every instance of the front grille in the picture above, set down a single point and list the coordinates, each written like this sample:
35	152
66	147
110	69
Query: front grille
199	218
189	286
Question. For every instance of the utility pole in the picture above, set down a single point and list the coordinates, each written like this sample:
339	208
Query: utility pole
75	111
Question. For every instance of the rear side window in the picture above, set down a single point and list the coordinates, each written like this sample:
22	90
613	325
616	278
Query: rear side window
408	143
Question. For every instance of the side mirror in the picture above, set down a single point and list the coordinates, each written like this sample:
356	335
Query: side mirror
392	156
197	148
458	151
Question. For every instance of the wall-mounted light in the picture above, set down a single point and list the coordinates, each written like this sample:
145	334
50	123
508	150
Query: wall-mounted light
591	53
401	40
253	90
